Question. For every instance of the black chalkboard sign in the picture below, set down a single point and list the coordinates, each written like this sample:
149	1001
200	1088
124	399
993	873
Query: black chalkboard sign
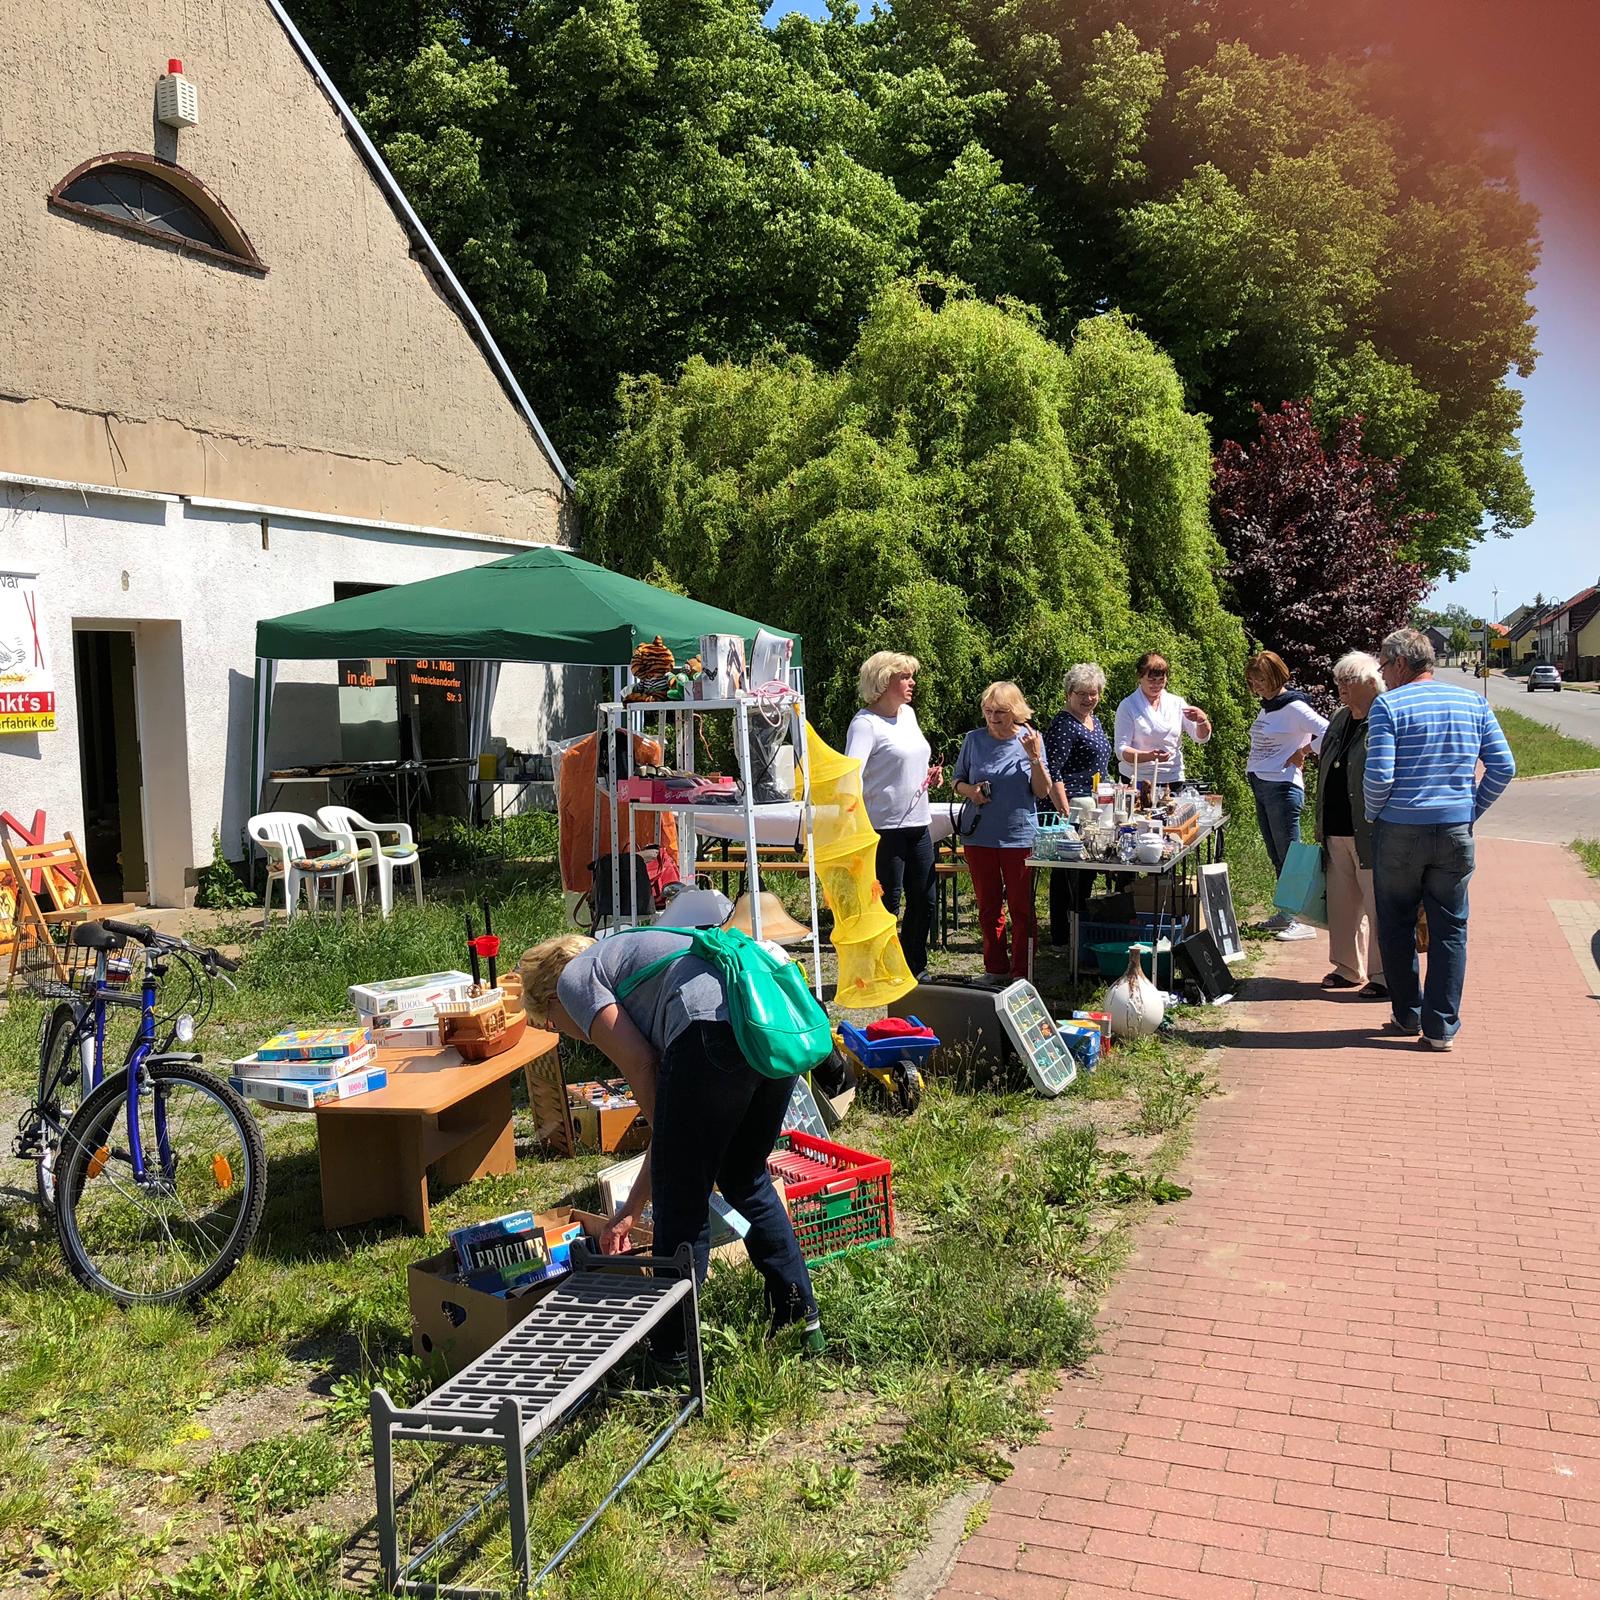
1216	902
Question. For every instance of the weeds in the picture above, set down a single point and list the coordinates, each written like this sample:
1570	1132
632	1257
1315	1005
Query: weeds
805	1478
1167	1103
951	1434
688	1496
283	1472
1588	852
1538	748
821	1488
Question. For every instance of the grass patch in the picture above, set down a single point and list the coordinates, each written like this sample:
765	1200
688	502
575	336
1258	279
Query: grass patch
1538	748
1588	852
805	1478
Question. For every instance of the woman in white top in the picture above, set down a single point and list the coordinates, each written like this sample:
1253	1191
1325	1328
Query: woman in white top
1151	724
894	755
1287	729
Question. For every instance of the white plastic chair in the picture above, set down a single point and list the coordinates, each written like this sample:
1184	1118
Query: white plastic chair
282	835
386	859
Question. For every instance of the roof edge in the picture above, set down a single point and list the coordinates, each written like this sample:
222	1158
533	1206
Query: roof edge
422	239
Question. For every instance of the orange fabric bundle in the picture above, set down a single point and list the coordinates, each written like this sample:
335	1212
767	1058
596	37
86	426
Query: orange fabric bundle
576	799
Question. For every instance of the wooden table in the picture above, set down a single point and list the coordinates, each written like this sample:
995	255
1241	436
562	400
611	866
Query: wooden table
436	1112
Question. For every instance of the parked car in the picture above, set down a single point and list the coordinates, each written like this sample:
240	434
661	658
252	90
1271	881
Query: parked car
1545	678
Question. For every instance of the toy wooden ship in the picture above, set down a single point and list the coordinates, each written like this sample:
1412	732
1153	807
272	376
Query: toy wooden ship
483	1025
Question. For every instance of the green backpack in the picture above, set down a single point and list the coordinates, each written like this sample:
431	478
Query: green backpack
780	1025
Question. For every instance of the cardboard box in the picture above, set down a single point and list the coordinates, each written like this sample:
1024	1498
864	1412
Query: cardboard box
292	1096
306	1071
1175	901
618	1130
419	1038
642	1235
314	1044
400	1021
613	1129
454	1324
408	994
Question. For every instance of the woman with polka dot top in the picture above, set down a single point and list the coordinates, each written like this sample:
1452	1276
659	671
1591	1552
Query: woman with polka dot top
1076	747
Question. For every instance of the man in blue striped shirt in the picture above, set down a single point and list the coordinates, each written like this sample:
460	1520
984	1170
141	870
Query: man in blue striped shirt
1423	794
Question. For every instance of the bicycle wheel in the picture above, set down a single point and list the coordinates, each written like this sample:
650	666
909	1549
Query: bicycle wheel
179	1230
66	1060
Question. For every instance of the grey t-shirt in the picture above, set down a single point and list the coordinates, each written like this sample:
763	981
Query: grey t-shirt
661	1007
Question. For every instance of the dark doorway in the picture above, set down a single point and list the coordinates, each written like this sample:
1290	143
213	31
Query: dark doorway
109	760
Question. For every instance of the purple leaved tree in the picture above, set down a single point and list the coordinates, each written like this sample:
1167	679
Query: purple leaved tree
1314	533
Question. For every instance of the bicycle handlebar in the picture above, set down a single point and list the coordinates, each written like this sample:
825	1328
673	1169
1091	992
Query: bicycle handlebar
143	934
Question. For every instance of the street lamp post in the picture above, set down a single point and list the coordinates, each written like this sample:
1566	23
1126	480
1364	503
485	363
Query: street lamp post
1494	616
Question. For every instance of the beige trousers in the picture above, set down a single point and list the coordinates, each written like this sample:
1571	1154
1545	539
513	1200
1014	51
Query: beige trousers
1352	917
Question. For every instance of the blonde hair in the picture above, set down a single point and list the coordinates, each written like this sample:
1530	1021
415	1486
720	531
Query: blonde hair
1356	666
1267	669
1007	694
541	968
877	670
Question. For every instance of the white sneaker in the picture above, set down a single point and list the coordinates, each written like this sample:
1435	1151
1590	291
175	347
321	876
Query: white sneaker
1298	930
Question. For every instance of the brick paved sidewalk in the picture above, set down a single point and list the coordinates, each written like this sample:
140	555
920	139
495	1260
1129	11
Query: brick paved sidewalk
1364	1359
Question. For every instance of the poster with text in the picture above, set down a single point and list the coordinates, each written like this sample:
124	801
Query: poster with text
27	691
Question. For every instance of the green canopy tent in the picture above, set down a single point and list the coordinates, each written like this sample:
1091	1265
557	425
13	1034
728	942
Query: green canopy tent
544	604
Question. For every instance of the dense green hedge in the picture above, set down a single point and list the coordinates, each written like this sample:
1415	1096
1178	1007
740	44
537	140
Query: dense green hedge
962	488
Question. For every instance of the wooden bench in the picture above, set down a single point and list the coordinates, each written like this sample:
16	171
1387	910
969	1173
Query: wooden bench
437	1112
28	943
536	1378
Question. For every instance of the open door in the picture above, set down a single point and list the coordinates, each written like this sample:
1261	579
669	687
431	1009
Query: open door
111	762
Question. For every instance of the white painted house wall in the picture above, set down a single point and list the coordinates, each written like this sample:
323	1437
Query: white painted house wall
191	582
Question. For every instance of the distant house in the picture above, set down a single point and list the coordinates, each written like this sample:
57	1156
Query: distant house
1440	640
1569	636
1523	630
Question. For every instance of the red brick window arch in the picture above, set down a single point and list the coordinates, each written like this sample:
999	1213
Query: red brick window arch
157	200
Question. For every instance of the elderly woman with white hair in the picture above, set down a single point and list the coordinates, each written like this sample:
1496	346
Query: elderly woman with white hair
1077	750
1346	835
885	738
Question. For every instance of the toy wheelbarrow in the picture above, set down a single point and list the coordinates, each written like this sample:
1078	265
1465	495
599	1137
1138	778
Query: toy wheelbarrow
893	1065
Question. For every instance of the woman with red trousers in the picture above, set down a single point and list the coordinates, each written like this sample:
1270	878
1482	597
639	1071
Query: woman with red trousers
1001	770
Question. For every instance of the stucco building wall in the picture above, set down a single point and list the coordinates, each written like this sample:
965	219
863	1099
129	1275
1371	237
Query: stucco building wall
342	381
190	584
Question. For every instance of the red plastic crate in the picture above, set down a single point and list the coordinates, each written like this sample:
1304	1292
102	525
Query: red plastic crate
839	1199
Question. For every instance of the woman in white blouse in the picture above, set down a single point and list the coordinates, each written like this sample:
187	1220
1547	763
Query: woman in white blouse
894	756
1151	725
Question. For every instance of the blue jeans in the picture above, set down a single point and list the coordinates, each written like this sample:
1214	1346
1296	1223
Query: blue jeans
717	1120
1429	867
1278	808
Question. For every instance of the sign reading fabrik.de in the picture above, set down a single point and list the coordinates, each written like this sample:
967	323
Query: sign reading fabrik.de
27	691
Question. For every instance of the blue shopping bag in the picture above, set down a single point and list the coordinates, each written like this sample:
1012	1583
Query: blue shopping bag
1303	885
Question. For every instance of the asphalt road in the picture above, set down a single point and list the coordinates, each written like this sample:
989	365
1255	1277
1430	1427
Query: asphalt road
1570	711
1547	810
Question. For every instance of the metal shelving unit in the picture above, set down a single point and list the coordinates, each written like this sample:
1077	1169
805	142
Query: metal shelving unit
677	718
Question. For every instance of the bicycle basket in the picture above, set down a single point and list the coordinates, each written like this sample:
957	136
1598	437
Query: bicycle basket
54	968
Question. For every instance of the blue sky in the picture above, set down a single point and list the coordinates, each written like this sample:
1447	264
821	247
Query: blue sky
1560	553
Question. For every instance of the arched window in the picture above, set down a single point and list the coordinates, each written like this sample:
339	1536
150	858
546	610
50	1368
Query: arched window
157	200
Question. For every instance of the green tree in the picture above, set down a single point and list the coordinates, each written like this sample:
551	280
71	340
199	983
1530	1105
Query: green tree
624	184
961	488
627	183
1283	223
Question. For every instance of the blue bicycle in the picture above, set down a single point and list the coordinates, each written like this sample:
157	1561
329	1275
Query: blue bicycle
158	1179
